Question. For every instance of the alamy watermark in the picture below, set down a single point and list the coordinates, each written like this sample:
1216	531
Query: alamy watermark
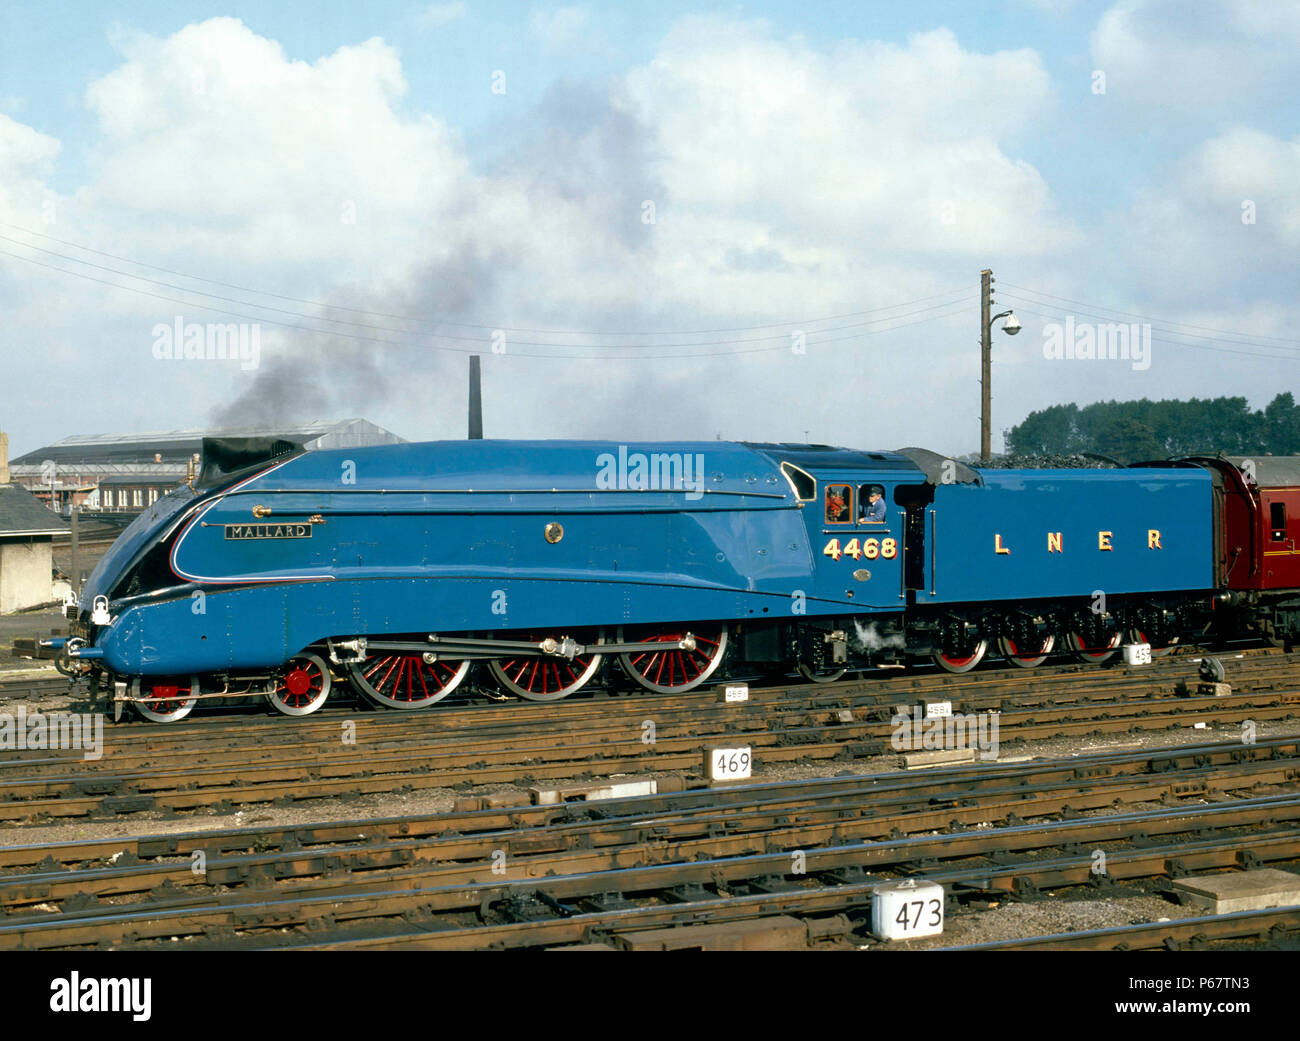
1087	341
53	730
208	341
130	994
913	731
651	471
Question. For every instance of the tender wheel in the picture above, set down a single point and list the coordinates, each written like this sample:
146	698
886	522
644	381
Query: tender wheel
673	670
1023	656
958	662
1078	643
166	699
406	681
825	676
303	688
1138	636
547	678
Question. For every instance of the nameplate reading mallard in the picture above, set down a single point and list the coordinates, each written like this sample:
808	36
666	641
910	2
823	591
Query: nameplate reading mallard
268	531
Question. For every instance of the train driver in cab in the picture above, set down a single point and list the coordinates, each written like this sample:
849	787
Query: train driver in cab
874	510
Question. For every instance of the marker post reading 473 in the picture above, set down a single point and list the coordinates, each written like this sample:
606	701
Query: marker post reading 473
729	764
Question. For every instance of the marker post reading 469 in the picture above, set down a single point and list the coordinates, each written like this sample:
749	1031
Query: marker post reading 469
862	549
729	764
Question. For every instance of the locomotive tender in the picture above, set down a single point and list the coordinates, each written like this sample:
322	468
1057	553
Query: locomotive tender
538	563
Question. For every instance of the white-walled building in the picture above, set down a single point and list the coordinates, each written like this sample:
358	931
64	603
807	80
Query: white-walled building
27	531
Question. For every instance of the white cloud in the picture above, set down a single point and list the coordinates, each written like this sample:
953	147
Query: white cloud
789	180
559	28
1225	220
214	130
896	146
1198	57
24	152
1056	7
437	15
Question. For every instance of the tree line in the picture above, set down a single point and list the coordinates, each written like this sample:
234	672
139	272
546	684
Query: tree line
1132	431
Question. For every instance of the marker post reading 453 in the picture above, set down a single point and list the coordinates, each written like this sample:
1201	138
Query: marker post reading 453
729	764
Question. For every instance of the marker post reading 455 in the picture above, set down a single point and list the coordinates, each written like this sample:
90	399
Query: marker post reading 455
729	764
862	549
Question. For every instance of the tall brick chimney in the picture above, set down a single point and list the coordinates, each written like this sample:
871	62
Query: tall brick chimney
4	457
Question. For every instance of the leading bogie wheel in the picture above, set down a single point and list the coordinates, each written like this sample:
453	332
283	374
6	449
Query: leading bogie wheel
165	699
302	687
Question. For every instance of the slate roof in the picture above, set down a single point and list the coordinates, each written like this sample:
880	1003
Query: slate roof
179	445
21	513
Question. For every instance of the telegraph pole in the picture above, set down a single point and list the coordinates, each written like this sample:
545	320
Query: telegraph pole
74	577
986	362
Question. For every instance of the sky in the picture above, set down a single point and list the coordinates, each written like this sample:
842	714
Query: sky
759	221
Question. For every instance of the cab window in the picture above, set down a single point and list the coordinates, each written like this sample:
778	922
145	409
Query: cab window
839	504
1277	514
868	512
802	483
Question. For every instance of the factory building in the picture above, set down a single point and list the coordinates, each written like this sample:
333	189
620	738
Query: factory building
125	473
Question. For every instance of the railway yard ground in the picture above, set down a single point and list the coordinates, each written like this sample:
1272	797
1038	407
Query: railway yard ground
466	826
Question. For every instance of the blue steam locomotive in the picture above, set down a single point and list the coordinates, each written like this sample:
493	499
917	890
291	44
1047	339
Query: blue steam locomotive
401	568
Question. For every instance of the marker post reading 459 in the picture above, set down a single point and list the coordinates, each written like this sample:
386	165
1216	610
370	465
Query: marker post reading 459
862	549
729	764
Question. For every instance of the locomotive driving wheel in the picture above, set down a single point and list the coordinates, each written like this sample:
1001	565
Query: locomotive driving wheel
671	669
405	680
303	687
548	678
165	699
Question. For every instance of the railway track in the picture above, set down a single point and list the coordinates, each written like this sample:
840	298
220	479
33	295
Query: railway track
1274	925
39	689
809	852
224	762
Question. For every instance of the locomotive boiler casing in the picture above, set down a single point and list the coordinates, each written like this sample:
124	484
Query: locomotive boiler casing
463	537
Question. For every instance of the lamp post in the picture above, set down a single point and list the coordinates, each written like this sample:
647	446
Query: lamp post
986	359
